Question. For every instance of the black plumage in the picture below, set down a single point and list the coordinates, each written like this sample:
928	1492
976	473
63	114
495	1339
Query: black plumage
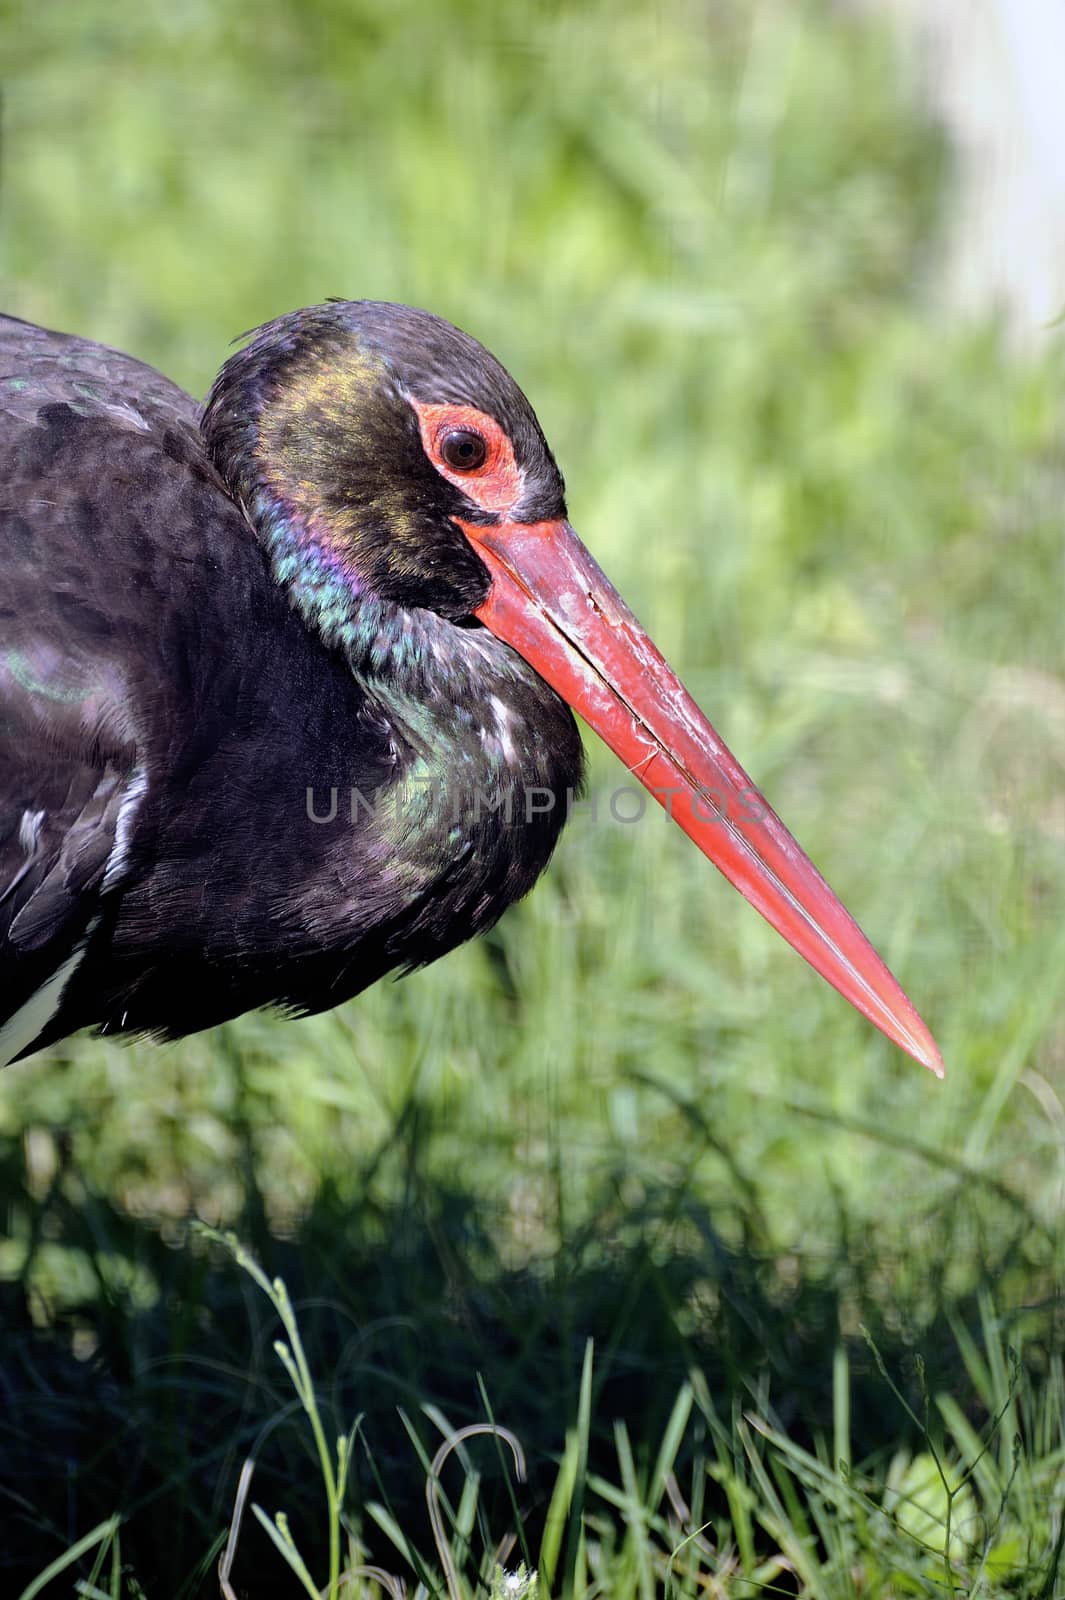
187	675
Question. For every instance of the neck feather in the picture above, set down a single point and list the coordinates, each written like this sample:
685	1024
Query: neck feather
322	585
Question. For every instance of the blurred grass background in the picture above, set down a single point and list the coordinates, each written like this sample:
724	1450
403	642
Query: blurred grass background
703	237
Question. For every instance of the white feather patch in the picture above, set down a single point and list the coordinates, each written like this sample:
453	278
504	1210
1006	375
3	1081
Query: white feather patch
116	861
33	1017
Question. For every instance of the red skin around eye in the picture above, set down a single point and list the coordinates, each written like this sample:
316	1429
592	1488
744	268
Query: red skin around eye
496	484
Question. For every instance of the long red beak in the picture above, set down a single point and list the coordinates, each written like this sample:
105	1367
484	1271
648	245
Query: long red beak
551	602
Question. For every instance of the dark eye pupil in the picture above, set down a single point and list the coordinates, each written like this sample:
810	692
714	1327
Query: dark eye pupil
464	450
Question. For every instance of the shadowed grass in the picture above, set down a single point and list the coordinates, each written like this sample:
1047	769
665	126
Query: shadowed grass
729	1380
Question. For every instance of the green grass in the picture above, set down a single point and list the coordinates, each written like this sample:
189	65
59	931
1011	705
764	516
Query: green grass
703	239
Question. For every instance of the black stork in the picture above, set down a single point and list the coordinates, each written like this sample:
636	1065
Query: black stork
284	683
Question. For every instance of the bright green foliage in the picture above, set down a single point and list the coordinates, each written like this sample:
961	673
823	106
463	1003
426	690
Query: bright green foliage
702	237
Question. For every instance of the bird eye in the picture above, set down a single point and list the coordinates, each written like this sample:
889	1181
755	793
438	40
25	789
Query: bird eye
463	450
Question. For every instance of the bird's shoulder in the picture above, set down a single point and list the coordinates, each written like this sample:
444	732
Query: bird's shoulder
115	529
39	368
